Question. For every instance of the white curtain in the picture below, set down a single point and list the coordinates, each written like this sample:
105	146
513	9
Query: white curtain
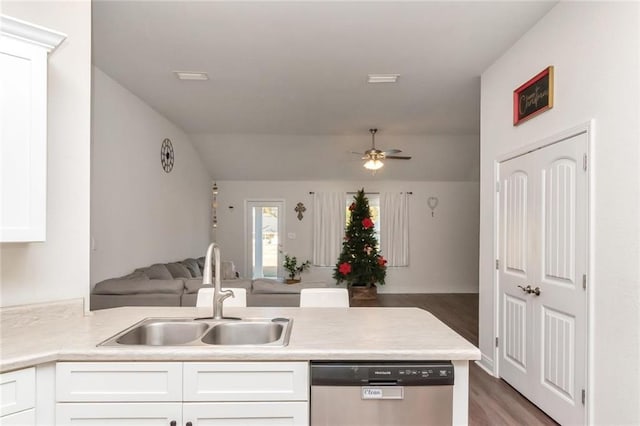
394	228
328	227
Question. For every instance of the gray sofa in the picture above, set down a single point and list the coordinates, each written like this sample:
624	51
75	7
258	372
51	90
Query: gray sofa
177	284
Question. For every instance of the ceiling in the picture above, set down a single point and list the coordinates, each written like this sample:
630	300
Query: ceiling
300	68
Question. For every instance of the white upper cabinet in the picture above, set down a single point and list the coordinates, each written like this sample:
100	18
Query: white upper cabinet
23	128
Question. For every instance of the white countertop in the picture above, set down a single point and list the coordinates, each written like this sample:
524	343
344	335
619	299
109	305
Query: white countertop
32	337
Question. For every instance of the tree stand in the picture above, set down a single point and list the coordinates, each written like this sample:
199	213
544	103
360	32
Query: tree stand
363	292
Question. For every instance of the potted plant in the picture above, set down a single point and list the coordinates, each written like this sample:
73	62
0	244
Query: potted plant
360	264
293	269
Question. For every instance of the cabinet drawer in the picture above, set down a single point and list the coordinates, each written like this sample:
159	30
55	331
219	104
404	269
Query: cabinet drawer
96	414
246	413
246	381
118	381
17	391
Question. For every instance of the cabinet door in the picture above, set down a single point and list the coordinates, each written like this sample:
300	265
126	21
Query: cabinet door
246	413
23	418
18	390
246	381
23	141
99	414
118	381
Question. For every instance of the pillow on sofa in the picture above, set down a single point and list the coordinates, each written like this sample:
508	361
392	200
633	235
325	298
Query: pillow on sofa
193	267
156	271
200	262
227	270
178	270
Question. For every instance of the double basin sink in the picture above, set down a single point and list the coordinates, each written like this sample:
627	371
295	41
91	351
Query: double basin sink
204	332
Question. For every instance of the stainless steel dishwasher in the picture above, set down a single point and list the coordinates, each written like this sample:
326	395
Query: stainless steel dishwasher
381	393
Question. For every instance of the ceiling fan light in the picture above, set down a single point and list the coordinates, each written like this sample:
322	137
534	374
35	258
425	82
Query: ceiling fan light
373	164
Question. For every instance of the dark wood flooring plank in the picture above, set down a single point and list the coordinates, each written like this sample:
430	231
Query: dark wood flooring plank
492	402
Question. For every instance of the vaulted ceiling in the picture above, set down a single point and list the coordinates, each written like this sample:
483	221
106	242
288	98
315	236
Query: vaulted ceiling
300	68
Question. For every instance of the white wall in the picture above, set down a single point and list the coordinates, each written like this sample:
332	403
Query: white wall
139	214
436	157
59	268
443	249
594	48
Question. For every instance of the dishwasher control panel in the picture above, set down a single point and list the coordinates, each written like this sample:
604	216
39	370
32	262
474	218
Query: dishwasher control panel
382	373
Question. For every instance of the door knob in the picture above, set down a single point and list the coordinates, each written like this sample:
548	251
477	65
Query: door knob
535	291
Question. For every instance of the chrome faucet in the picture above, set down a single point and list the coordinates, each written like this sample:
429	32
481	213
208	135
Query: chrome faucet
218	295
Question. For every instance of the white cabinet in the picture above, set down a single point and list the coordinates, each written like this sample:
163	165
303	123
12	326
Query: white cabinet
189	394
18	397
23	134
113	413
118	381
246	413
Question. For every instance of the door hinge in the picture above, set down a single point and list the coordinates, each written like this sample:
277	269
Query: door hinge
584	162
498	186
497	263
584	396
497	339
584	281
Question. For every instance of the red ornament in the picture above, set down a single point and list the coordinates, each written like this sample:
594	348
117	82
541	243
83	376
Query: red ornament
352	207
382	261
367	223
344	268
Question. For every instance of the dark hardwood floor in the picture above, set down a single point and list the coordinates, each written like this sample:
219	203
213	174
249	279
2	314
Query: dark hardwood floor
492	401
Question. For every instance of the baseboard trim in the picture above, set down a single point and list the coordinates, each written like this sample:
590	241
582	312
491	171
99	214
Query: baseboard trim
487	365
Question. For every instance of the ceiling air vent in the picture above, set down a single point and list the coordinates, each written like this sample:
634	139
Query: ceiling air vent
383	78
191	75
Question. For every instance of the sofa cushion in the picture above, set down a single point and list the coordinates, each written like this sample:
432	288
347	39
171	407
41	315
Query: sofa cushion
194	284
139	286
156	271
192	266
178	270
267	286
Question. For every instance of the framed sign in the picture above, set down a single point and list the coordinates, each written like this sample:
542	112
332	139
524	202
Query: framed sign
533	97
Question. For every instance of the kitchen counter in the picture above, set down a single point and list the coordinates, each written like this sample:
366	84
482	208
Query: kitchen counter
56	332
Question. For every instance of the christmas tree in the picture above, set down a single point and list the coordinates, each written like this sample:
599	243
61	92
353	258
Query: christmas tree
360	263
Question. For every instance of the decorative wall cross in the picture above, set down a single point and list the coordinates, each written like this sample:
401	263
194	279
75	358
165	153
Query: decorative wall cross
300	208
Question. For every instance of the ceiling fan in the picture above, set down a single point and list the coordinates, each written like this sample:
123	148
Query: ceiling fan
375	156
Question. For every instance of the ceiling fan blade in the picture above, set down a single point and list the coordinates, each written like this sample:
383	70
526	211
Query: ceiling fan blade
397	157
391	151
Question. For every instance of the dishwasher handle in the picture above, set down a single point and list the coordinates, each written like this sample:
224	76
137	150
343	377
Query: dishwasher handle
379	382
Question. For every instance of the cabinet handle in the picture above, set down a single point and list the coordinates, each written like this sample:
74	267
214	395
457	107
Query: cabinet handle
172	423
189	424
526	289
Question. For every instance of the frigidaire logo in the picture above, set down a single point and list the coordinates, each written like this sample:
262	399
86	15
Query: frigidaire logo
386	373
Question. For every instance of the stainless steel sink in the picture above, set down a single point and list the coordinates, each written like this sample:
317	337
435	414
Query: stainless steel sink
244	333
204	332
163	333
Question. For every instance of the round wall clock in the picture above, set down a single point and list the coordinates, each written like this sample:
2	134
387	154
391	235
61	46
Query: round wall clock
166	155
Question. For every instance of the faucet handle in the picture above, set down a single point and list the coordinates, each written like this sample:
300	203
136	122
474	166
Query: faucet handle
226	293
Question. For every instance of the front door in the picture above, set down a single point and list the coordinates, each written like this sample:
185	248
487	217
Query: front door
265	228
543	263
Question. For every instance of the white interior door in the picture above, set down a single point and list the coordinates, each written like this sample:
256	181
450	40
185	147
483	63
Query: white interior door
543	244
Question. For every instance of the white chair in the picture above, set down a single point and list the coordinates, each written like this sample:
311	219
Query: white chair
205	298
324	298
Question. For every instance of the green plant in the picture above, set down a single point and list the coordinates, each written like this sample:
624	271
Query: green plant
291	265
359	262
